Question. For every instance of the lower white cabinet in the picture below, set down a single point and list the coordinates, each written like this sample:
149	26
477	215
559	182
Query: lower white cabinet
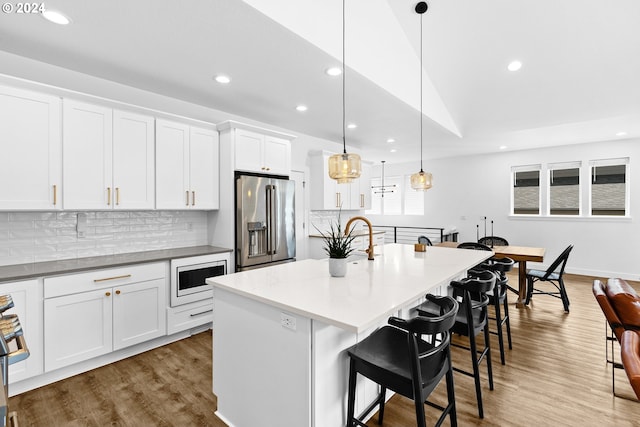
189	316
27	296
126	306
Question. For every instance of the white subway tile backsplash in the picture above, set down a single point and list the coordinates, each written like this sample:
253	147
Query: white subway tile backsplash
27	237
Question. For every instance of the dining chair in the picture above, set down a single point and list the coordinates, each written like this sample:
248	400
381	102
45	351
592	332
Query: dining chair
492	241
630	354
553	275
472	319
424	240
409	357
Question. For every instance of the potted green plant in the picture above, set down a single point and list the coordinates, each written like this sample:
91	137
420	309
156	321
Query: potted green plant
337	245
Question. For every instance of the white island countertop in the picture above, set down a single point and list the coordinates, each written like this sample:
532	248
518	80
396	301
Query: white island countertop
371	290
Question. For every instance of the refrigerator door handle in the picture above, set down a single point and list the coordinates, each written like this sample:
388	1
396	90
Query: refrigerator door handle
268	217
274	220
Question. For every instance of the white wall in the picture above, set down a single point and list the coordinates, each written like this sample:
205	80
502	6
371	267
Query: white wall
468	188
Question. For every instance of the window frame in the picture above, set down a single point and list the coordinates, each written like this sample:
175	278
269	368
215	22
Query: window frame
526	168
621	161
563	166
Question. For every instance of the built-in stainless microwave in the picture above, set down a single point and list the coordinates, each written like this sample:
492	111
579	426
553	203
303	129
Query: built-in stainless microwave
188	277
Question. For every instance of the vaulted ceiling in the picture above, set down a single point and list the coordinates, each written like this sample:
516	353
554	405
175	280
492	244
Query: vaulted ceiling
578	82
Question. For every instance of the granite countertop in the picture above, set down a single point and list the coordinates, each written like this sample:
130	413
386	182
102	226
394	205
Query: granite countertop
49	268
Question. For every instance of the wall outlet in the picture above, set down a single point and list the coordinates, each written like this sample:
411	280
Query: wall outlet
288	321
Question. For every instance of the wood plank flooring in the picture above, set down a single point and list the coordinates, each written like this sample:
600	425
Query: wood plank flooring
556	375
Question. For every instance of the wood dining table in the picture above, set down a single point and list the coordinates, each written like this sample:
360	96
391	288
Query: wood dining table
520	254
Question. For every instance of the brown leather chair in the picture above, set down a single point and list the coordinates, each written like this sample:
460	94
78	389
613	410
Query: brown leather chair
620	305
630	353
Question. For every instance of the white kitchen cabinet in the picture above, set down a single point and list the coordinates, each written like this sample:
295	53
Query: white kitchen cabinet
31	161
258	150
126	306
27	300
108	158
187	165
327	193
133	161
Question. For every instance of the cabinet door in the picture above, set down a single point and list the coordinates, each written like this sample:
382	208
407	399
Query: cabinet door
27	298
76	328
277	156
30	165
133	161
248	151
364	186
204	169
139	313
87	160
172	165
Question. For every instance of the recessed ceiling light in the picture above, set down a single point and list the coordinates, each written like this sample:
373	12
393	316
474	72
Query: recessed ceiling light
514	66
223	79
621	134
301	108
393	150
333	71
56	17
352	126
390	141
503	147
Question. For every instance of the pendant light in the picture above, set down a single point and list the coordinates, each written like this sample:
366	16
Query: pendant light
421	181
346	166
382	189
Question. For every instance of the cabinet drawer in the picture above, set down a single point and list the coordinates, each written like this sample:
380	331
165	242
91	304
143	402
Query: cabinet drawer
189	316
103	278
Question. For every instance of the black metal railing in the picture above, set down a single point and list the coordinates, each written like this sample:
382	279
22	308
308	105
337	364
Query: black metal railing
409	235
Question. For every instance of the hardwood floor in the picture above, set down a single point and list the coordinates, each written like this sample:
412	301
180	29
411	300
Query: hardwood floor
556	375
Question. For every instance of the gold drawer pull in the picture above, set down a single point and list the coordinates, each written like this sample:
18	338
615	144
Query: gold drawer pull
125	276
108	196
187	194
117	195
118	292
108	294
55	194
193	198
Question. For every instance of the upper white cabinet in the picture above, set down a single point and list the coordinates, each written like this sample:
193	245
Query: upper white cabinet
30	165
108	158
187	164
133	161
328	194
258	150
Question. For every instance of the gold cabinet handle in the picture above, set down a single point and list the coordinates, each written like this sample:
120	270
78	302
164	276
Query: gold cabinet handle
117	195
187	194
118	292
108	196
361	200
193	198
108	294
124	276
337	198
55	194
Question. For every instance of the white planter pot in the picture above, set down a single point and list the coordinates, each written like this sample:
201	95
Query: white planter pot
337	267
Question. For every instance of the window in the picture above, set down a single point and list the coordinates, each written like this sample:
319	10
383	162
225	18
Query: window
413	200
564	189
609	192
526	190
397	199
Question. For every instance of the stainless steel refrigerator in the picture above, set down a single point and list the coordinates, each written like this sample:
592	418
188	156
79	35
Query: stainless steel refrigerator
265	221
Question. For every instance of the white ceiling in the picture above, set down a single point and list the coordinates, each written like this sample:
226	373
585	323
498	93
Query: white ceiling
579	82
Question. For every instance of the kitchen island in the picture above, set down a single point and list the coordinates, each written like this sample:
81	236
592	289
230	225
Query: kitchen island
279	333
